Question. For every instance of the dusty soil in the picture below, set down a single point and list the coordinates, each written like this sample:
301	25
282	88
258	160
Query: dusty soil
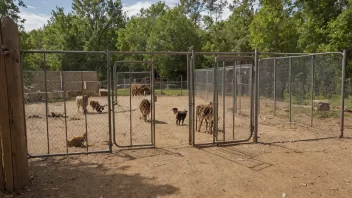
315	168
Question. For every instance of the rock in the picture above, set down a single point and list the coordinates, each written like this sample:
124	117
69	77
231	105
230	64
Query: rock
323	106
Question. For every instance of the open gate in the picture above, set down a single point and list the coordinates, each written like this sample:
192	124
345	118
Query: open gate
229	87
132	91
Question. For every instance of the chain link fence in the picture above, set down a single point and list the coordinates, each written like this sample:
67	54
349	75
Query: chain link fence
232	94
295	91
300	91
55	119
132	105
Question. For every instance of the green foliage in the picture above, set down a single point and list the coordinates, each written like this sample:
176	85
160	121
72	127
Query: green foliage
273	29
173	31
11	8
269	25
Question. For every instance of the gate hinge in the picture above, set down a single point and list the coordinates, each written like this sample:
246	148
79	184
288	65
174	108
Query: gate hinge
3	50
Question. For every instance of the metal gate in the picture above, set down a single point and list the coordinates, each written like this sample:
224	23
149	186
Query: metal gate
132	91
51	82
229	87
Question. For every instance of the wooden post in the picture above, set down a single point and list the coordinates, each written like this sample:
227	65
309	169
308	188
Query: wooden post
14	161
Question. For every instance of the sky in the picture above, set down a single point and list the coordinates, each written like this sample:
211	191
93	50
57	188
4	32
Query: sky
38	12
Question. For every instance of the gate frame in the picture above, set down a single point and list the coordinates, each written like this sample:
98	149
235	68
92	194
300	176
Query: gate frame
227	57
112	81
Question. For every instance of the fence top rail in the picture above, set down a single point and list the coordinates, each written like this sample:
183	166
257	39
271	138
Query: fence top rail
298	55
56	71
62	52
126	61
136	52
229	67
234	58
293	53
173	53
142	72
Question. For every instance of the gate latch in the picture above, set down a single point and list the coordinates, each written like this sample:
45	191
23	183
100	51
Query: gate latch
3	50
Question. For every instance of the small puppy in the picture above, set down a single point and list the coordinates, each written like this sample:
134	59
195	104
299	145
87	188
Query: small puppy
180	115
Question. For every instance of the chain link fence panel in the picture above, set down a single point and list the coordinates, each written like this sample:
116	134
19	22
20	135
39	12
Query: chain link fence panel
300	91
55	119
132	112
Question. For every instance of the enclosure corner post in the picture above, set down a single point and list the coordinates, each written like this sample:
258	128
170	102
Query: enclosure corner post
13	150
256	96
342	116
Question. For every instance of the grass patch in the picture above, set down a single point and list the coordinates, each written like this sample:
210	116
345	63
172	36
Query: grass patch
316	114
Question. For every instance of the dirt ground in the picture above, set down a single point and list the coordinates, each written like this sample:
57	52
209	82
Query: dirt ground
314	168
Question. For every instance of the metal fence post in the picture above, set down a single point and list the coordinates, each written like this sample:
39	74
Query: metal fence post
130	81
161	85
84	110
153	103
312	92
240	89
109	95
181	85
274	86
65	107
206	85
223	97
46	102
289	87
124	83
342	116
114	81
233	99
215	102
189	101
193	66
256	105
235	88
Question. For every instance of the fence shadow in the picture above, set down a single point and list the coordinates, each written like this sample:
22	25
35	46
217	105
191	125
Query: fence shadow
81	179
134	153
237	156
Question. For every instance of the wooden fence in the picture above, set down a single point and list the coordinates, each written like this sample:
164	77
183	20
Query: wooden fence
13	148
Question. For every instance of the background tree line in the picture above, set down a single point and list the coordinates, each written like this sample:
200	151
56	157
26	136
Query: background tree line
269	25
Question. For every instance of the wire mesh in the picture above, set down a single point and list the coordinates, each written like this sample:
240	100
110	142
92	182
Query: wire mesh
52	85
133	107
233	91
302	91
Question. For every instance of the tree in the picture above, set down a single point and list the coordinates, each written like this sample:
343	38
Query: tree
272	29
195	8
313	19
232	34
100	21
137	31
173	32
9	8
237	27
